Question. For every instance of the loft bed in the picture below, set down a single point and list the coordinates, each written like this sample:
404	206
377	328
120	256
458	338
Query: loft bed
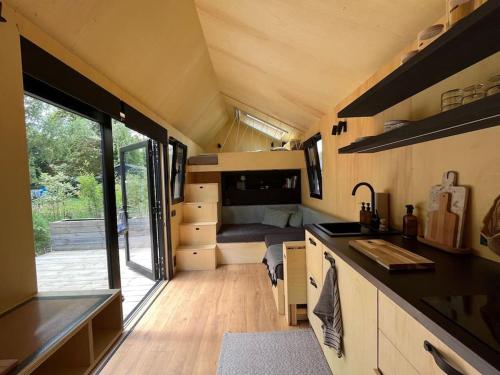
250	161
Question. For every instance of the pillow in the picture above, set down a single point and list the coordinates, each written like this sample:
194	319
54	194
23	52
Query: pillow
275	218
296	219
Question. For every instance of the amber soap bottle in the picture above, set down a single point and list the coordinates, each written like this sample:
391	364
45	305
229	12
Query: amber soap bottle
410	223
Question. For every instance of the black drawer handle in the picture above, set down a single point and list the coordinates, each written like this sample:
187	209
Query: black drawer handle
440	361
312	282
201	187
194	253
199	206
197	228
329	258
312	242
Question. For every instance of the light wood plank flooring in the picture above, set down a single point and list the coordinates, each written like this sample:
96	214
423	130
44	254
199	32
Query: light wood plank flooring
182	331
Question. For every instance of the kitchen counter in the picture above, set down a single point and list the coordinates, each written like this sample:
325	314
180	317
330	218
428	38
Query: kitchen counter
453	275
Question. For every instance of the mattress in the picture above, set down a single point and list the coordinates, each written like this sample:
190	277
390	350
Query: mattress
206	159
252	232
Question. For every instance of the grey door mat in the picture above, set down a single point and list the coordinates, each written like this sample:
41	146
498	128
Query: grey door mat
272	353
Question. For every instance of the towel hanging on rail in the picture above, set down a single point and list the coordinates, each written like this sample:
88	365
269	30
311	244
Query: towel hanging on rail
328	310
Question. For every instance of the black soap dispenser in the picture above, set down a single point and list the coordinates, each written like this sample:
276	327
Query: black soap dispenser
410	223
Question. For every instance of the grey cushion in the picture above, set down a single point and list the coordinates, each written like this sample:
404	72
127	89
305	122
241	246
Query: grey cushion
277	218
205	159
295	219
255	214
251	232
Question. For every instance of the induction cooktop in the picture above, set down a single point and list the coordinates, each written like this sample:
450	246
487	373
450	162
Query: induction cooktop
478	314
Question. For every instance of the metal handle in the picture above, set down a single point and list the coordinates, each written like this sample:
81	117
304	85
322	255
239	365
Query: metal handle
329	258
312	242
440	361
312	282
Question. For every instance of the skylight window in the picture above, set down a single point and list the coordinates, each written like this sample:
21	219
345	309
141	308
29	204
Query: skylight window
262	126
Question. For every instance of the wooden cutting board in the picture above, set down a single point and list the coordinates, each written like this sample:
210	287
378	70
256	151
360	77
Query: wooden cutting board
442	224
391	256
458	205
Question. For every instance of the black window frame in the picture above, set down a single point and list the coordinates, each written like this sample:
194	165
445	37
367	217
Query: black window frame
312	143
174	172
49	79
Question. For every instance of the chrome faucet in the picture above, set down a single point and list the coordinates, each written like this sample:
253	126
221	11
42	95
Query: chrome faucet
375	219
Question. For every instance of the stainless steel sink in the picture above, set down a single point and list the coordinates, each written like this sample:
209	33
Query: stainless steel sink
349	229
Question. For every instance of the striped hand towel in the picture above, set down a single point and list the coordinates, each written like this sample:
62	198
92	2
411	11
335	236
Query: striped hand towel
328	311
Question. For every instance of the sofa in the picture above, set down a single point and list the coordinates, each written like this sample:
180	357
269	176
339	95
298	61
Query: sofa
244	224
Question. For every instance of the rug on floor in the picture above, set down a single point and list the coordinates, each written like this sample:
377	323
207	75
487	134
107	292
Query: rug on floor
272	353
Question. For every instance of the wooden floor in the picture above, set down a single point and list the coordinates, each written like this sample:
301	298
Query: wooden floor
182	331
87	270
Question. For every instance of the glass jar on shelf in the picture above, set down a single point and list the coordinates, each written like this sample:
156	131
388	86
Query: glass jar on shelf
473	93
451	99
493	85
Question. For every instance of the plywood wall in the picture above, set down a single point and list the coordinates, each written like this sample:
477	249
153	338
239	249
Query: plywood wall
408	173
17	261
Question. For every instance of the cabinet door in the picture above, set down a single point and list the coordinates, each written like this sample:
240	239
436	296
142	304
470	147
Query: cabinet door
314	253
390	360
408	335
358	304
313	291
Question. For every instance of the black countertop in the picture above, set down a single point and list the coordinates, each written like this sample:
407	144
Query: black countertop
453	275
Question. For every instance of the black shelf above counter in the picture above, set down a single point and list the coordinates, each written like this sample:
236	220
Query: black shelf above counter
469	41
484	113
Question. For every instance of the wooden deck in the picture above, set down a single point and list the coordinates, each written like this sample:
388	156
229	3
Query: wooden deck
87	270
182	331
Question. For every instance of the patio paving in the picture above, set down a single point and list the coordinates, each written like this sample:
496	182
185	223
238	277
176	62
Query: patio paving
87	270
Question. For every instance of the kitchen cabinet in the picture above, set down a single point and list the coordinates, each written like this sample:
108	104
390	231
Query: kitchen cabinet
358	304
388	327
408	335
390	360
314	274
314	253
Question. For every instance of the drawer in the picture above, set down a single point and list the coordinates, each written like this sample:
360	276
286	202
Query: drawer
313	292
196	258
314	258
200	211
408	335
208	192
198	233
390	360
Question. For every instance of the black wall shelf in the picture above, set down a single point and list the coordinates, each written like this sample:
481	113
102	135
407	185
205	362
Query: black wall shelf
261	187
484	113
470	40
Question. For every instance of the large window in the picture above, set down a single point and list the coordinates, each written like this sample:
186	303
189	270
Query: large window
65	162
177	153
313	149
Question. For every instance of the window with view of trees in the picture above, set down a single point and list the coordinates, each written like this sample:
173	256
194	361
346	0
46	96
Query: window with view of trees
313	149
177	153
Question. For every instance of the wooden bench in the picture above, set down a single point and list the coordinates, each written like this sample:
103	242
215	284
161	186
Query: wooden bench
60	333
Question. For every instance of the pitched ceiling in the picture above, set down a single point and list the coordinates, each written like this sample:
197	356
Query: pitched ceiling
286	61
155	52
294	60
